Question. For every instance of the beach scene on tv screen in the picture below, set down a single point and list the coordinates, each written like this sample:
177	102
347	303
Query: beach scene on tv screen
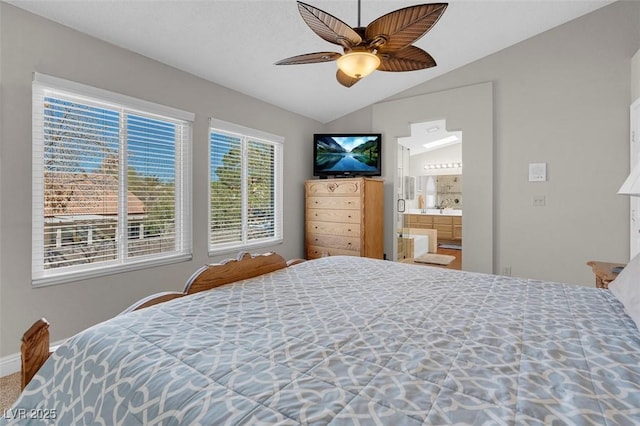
354	154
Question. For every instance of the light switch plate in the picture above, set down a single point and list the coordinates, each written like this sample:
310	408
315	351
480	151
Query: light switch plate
537	172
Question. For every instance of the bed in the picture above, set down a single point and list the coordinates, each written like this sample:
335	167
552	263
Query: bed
349	340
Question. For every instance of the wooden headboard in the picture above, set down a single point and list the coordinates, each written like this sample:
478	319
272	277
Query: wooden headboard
244	266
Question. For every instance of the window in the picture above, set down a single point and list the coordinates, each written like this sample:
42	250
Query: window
245	186
431	192
110	185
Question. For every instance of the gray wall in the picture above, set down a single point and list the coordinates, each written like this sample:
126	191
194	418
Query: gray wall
635	76
30	43
562	98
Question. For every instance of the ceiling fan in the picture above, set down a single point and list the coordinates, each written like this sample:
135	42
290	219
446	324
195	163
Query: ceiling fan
385	44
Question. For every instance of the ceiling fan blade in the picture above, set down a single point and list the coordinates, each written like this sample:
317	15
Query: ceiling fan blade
328	26
410	58
346	80
402	27
310	58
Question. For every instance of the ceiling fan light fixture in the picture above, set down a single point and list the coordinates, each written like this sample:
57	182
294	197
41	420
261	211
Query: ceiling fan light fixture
386	44
358	64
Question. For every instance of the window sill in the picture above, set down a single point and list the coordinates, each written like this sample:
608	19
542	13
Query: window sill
107	270
242	248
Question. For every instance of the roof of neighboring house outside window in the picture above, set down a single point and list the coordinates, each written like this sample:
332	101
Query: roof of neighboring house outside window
80	194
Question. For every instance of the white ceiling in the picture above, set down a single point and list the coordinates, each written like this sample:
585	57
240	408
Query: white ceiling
429	133
235	43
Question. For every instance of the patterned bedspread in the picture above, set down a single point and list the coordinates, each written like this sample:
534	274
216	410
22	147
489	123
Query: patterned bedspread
345	340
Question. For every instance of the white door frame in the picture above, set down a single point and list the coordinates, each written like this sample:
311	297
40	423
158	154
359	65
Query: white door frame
469	108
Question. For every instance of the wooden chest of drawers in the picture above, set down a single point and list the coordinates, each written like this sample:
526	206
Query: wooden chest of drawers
344	217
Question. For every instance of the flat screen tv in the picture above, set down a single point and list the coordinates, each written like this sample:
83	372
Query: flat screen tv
347	154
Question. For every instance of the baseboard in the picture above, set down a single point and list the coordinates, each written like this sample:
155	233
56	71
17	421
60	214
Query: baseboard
11	364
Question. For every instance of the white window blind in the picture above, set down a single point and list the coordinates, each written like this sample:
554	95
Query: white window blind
110	183
245	188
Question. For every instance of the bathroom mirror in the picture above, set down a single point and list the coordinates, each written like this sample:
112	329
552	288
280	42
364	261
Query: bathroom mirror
448	191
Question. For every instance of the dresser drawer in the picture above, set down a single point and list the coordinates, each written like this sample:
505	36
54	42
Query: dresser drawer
328	228
333	241
314	252
342	187
352	203
341	216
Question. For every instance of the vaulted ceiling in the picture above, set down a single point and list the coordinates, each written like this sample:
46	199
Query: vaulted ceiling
235	43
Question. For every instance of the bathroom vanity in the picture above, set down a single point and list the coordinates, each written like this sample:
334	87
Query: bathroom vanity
448	222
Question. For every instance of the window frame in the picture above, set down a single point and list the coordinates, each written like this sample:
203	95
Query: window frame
246	134
48	86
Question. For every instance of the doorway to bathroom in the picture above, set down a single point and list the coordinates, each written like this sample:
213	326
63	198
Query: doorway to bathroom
430	198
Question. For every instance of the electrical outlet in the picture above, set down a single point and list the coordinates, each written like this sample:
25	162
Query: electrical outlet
539	200
506	271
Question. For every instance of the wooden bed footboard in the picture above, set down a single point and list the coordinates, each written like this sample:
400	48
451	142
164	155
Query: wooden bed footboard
34	350
35	341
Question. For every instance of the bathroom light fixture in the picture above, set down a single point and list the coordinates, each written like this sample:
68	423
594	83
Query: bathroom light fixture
442	166
440	142
631	185
358	63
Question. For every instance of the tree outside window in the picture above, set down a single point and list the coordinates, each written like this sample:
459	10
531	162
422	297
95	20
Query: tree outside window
245	200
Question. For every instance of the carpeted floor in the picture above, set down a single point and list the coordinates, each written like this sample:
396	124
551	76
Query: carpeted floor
9	390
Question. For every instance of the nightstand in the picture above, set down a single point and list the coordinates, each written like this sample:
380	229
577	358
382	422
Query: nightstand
604	272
